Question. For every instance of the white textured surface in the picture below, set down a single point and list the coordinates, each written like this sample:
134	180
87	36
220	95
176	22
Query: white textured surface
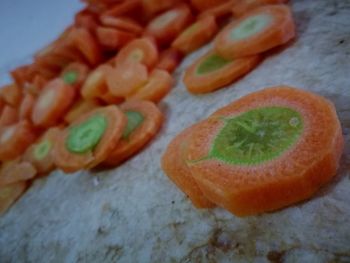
135	214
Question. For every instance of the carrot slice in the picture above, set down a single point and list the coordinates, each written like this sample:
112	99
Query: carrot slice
244	6
267	150
112	39
90	139
75	74
11	94
157	87
196	35
175	167
169	59
255	32
9	115
142	50
124	80
165	27
52	103
219	11
9	194
81	107
40	154
15	138
122	23
202	5
211	72
144	120
16	171
26	106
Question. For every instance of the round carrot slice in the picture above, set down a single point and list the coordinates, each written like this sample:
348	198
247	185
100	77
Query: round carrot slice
26	106
125	79
157	87
244	6
40	154
14	139
175	167
196	35
75	74
143	122
9	115
15	171
211	71
11	94
90	139
142	50
53	102
267	150
165	27
255	32
169	59
9	194
79	108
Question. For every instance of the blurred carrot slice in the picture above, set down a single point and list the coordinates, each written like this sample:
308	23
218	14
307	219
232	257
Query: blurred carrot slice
15	138
15	171
26	106
75	74
39	154
9	115
122	23
174	165
244	6
257	31
142	50
157	87
125	79
113	39
166	26
53	102
144	120
169	59
79	108
9	194
90	139
219	11
211	71
11	94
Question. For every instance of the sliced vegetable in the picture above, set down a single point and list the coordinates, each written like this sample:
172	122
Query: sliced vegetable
16	171
169	59
9	194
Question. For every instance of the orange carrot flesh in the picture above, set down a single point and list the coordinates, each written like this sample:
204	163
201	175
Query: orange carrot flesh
11	94
141	50
196	35
122	23
267	150
255	32
9	115
113	39
53	102
15	138
169	59
144	122
26	106
244	6
16	171
175	167
157	87
79	108
40	153
90	139
75	74
211	72
9	194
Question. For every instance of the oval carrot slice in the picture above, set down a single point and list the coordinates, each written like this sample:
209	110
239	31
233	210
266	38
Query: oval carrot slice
143	122
90	139
267	150
40	153
175	167
255	32
211	72
142	50
16	171
11	94
15	138
165	27
124	80
196	35
122	23
157	87
26	106
244	6
79	108
75	74
9	115
9	194
169	59
53	102
113	39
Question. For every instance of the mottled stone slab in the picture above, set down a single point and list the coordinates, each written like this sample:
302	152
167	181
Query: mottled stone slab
135	214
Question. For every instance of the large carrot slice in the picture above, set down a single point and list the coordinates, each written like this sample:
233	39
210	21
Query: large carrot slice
175	167
79	108
75	74
90	139
9	115
142	50
15	171
144	120
165	27
211	72
122	23
15	138
244	6
113	39
267	150
11	94
157	87
40	154
26	106
125	79
196	35
9	194
255	32
169	59
52	103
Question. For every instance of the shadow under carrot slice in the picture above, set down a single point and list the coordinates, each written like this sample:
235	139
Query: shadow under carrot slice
16	171
9	194
90	139
144	120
